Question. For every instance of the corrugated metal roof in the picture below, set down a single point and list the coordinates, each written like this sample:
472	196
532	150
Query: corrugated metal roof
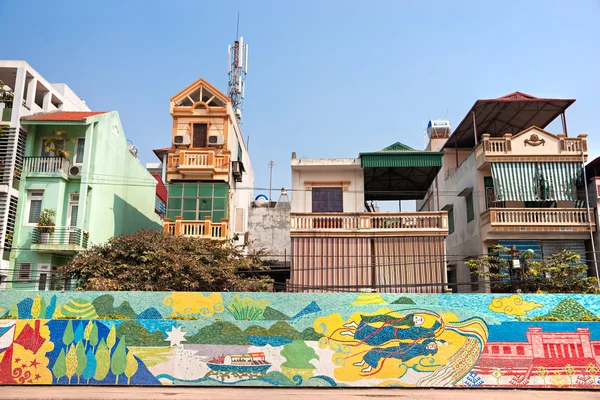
76	116
387	159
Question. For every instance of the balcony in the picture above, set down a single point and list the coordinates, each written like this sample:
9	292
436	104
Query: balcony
46	166
540	146
200	163
538	220
64	240
202	229
369	224
5	110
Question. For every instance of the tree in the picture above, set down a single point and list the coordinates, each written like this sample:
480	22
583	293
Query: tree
90	365
560	273
59	369
131	367
151	260
118	361
68	335
102	361
81	360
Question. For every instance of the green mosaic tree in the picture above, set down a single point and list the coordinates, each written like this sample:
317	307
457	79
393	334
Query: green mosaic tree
68	335
59	369
94	335
151	260
131	367
118	361
561	273
81	360
102	361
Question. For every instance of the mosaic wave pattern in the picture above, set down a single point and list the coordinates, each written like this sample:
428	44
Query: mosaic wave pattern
266	339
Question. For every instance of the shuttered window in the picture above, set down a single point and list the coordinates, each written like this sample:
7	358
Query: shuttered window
450	221
79	150
23	271
327	199
35	206
239	220
470	211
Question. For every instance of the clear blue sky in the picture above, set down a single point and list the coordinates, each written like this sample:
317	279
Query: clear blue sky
326	78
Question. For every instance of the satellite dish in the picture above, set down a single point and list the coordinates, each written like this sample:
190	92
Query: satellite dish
261	196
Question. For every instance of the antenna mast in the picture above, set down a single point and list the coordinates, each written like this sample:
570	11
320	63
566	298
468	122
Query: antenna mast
238	68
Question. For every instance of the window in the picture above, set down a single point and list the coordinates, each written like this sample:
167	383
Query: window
34	206
520	351
506	350
327	199
79	151
194	201
470	211
73	209
23	271
495	350
239	220
199	136
450	221
240	153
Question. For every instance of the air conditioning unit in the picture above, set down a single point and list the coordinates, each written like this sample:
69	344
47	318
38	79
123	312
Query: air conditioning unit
181	139
237	167
75	170
216	140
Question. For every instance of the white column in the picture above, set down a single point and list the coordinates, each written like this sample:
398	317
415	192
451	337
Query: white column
19	91
165	159
47	101
31	89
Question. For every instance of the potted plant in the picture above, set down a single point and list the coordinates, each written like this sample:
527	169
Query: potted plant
46	224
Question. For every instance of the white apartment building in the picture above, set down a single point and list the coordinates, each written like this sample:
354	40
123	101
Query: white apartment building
24	92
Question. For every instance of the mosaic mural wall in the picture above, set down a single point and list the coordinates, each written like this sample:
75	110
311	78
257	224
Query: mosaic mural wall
266	339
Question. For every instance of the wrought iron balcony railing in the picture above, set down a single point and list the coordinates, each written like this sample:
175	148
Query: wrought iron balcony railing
62	235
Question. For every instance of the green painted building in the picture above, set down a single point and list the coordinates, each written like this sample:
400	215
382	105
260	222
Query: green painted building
79	165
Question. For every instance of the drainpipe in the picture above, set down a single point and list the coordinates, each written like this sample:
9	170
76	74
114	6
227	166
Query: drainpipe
474	126
587	202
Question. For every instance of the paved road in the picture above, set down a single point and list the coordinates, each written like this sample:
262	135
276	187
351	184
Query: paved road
147	393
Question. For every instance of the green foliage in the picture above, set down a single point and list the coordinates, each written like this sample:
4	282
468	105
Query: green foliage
118	361
151	260
560	273
14	312
567	310
247	308
137	335
46	221
298	355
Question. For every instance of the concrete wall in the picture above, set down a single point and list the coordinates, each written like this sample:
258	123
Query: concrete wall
328	340
269	229
327	172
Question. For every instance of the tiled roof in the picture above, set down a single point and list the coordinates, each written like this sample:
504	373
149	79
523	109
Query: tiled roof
63	116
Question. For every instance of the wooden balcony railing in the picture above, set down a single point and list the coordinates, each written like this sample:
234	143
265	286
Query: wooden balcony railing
46	165
199	159
203	229
537	219
370	222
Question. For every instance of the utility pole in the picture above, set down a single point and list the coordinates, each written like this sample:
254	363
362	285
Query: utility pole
271	165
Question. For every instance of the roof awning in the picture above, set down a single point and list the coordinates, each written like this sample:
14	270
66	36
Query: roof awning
512	113
535	181
399	172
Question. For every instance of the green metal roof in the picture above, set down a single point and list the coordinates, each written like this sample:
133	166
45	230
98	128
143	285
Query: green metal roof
400	155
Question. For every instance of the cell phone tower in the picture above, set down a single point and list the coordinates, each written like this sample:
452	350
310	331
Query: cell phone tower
238	68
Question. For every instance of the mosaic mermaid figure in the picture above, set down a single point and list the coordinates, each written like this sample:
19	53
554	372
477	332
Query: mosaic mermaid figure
393	328
403	352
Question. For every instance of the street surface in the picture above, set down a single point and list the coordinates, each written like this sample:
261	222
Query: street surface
148	393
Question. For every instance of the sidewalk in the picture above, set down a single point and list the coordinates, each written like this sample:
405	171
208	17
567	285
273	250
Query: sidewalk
151	393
